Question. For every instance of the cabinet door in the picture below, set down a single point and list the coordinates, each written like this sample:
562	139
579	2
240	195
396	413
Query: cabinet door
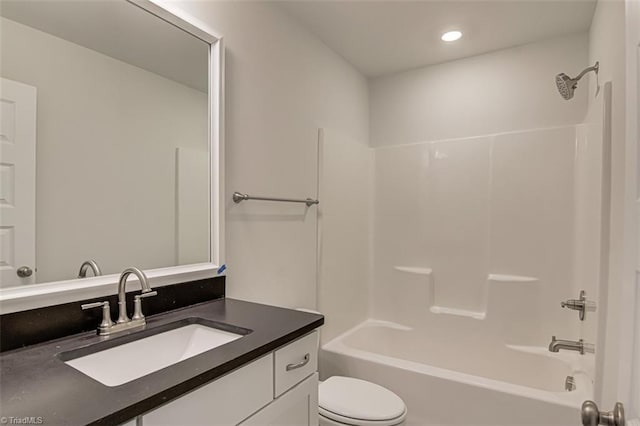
296	407
225	401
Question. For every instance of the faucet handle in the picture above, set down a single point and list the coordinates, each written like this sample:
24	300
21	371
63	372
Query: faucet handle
106	313
581	305
93	305
137	304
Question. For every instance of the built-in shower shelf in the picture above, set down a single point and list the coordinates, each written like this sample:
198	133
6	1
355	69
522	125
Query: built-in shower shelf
458	312
445	310
413	270
512	278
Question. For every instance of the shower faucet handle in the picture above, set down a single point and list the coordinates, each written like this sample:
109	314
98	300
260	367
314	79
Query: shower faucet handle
581	305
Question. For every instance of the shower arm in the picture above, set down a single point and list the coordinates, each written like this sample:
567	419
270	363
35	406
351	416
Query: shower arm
595	68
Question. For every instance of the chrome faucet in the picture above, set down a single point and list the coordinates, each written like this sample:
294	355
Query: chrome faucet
570	345
107	326
89	264
582	305
122	284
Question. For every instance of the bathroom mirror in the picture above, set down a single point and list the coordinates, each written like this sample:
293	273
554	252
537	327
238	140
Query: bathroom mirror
110	145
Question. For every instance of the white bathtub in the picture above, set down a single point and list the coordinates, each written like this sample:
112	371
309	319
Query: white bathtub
461	381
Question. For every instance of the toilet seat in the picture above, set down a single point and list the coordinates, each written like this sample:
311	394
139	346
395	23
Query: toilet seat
359	422
357	402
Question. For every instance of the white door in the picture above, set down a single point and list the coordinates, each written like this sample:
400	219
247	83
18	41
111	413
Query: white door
17	183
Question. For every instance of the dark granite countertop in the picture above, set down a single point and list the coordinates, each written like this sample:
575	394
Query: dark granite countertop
36	383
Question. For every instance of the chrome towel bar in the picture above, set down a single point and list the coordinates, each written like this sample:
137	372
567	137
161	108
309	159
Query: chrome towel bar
238	197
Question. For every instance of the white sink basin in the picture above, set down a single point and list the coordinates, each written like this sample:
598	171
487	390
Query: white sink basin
121	364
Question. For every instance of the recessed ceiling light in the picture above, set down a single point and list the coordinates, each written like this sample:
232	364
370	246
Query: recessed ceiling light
451	36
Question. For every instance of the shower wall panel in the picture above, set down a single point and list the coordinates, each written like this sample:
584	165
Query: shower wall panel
400	231
587	224
483	230
532	228
457	222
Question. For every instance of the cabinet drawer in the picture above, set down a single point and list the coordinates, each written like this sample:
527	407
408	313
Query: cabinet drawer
295	362
225	401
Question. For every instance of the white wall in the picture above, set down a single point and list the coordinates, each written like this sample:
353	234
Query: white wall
344	232
106	139
633	137
507	90
606	45
282	84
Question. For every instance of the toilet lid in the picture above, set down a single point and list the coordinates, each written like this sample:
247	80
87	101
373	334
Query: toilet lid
359	399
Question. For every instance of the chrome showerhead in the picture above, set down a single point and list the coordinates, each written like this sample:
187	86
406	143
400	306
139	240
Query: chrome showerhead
567	85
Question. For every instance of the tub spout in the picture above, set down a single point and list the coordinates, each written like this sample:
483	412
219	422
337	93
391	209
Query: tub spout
570	345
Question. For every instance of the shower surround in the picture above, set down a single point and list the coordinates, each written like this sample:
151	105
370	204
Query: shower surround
486	229
475	242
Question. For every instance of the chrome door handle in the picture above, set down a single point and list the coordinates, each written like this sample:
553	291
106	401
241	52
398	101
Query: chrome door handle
301	364
591	416
24	272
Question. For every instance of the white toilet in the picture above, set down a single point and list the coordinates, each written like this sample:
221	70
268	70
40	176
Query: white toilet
346	401
355	402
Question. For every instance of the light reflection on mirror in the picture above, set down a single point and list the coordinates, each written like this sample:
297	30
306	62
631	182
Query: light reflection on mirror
105	131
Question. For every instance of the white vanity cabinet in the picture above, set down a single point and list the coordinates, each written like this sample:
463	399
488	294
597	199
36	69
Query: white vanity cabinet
280	388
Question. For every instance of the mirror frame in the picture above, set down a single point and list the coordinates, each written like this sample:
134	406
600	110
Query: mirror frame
38	295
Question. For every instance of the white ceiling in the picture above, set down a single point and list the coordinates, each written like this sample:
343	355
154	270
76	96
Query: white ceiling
383	37
121	30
